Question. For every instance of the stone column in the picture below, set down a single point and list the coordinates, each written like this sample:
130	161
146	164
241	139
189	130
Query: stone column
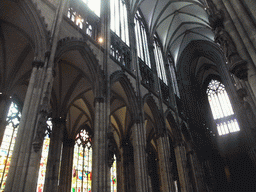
54	155
139	147
195	169
66	165
163	148
181	159
23	146
4	106
100	169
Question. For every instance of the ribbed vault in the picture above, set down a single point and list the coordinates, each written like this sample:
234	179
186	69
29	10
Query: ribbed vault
177	22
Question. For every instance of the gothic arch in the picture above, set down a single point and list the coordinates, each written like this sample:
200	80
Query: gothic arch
123	100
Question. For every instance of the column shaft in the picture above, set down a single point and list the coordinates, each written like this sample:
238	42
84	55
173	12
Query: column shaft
66	166
181	159
100	174
54	155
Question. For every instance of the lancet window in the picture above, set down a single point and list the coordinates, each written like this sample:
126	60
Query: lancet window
6	149
159	60
141	39
113	176
119	20
221	108
173	77
82	163
44	157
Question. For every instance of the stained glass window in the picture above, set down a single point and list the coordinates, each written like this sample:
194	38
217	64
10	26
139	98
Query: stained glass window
82	163
222	110
113	176
141	39
44	158
6	150
119	21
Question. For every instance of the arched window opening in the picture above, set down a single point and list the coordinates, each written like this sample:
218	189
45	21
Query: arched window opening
82	163
119	20
221	108
173	77
6	150
44	157
113	176
159	60
141	39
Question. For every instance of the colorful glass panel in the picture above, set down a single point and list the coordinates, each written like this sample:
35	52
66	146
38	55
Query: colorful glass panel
6	150
113	176
82	164
44	158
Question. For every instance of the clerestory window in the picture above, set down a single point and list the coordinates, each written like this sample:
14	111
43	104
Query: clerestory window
221	108
141	39
159	60
119	19
173	77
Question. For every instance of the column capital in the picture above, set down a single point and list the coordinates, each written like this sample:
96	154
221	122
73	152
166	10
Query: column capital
98	100
37	64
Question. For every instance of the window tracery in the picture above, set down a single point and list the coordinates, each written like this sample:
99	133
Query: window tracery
7	146
222	110
141	39
119	19
159	61
82	163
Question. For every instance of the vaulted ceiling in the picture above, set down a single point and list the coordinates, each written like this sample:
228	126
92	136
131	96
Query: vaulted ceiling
177	22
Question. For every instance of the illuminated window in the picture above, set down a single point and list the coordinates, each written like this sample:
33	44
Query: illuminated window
82	163
159	61
113	176
94	5
222	111
119	21
141	39
6	150
44	157
173	77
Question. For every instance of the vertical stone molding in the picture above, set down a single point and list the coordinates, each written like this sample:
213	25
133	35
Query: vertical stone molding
54	155
66	165
181	158
139	146
100	167
163	148
195	170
